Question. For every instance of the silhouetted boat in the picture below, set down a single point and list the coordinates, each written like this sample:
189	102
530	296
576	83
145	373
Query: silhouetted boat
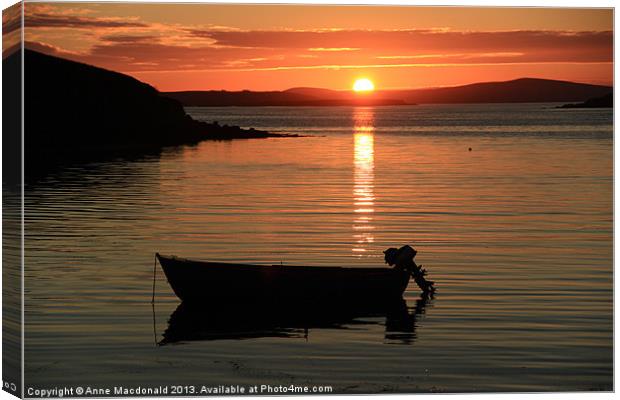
200	282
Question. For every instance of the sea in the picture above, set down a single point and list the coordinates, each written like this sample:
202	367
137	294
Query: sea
510	207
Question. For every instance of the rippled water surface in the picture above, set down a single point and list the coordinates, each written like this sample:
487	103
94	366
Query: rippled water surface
509	207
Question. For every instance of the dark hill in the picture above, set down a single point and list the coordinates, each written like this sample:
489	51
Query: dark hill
74	107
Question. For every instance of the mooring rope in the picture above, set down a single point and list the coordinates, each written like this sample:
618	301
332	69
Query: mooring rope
153	300
154	278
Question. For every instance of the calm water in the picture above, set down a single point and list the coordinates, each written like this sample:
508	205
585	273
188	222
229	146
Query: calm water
517	233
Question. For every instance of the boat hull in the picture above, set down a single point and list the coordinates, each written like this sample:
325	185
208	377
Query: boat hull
197	282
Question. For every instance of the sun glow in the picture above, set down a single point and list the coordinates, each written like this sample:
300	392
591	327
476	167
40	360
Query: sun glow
363	85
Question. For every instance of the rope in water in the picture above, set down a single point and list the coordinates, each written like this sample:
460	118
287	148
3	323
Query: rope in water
154	278
153	300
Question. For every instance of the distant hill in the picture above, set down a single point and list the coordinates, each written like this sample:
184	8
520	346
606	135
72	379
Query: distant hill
290	97
319	93
524	90
515	91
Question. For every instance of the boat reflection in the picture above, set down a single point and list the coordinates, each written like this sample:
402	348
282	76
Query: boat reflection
363	179
251	321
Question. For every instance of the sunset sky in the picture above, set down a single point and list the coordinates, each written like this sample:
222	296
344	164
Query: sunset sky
268	47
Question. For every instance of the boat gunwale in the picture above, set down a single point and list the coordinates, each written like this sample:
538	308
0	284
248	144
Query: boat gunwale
283	266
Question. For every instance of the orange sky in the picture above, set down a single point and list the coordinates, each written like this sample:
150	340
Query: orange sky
275	47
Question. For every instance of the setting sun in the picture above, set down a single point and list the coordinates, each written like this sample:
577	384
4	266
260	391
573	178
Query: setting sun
363	85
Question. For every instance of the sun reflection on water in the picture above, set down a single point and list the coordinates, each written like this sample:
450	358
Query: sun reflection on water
364	176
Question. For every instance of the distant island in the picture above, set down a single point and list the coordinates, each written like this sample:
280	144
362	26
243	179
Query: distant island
74	107
291	97
606	101
523	90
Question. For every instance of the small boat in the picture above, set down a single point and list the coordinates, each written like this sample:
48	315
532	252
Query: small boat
204	282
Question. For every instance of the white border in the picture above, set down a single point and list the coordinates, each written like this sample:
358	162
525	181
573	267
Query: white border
434	3
483	3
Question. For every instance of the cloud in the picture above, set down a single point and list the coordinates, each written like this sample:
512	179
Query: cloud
333	49
455	55
53	50
413	40
11	29
40	20
130	53
49	49
130	38
129	45
11	19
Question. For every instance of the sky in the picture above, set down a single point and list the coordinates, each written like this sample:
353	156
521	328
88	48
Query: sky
275	47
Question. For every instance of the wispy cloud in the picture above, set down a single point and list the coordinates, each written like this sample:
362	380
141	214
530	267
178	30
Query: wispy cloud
457	55
334	49
412	40
52	50
130	38
69	21
11	29
372	66
11	19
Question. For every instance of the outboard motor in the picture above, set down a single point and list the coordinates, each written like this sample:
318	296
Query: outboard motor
403	259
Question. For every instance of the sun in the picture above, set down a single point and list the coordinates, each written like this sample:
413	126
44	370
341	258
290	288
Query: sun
363	85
